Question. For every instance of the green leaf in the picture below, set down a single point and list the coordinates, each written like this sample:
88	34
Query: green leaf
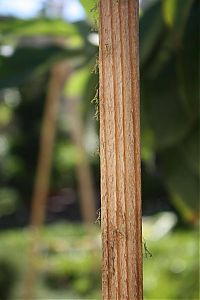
92	11
169	96
189	150
34	27
180	13
76	83
147	133
5	114
151	30
188	64
169	11
175	14
170	38
181	181
163	109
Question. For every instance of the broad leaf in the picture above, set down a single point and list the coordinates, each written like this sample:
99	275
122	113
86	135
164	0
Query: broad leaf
189	150
181	181
151	30
176	13
163	109
188	64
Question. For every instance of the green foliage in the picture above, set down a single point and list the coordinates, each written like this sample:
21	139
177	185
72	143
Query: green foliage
80	273
169	98
19	67
67	156
76	83
165	115
175	13
12	28
7	279
8	201
92	11
167	275
5	114
183	179
70	264
150	37
169	90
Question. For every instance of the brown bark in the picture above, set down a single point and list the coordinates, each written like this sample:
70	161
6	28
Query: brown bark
120	150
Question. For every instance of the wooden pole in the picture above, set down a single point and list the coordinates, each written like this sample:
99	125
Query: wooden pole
41	186
120	150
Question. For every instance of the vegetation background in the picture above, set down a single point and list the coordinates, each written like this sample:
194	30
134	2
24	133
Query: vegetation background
51	61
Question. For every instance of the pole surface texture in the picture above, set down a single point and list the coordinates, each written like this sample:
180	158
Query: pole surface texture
120	150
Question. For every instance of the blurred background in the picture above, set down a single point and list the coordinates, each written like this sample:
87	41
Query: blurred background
49	157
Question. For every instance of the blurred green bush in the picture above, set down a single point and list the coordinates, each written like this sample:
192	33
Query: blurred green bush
8	276
70	268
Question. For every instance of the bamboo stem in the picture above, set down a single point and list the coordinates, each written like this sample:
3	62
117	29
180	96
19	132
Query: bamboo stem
120	150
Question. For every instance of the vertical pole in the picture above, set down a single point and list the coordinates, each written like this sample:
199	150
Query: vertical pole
41	185
48	131
120	150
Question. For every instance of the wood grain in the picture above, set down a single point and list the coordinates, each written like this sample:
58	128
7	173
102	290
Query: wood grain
120	150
